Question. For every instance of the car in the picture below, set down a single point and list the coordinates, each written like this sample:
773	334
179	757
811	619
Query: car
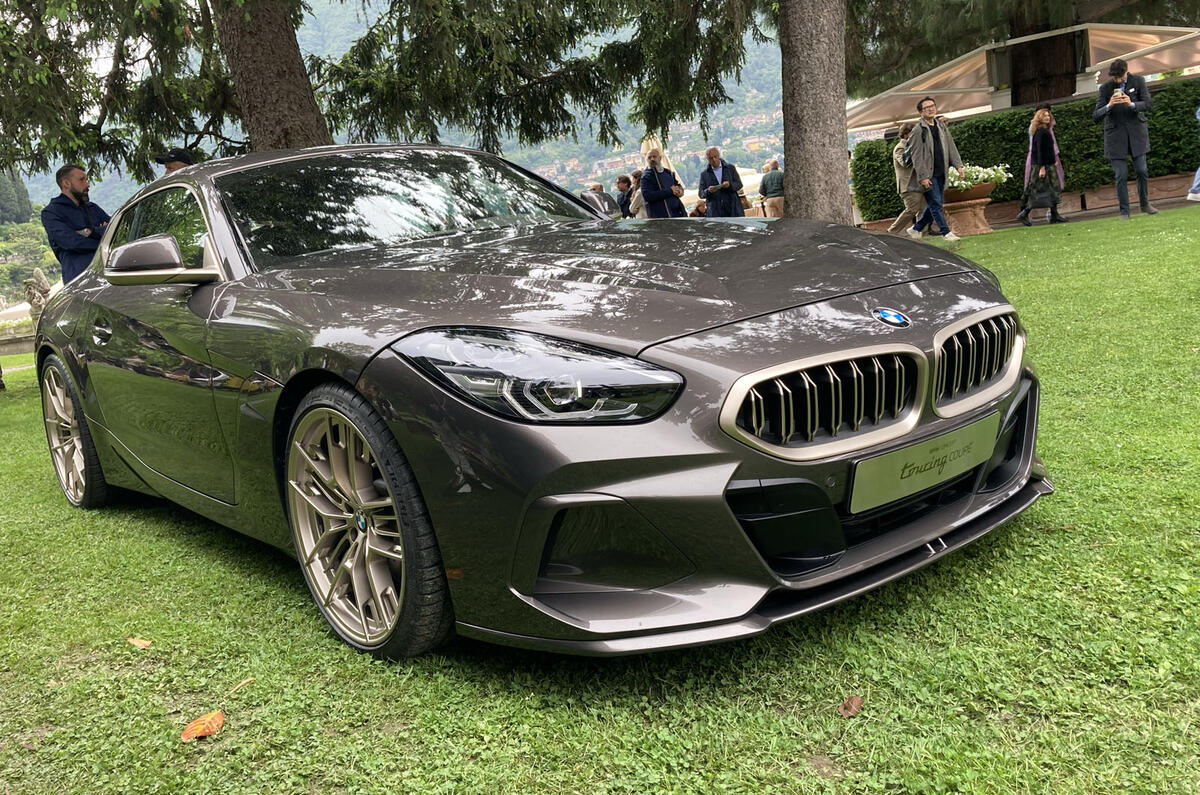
468	403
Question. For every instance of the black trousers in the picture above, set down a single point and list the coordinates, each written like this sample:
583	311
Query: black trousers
1121	172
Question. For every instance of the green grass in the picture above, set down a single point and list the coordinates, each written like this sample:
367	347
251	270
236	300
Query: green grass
1061	653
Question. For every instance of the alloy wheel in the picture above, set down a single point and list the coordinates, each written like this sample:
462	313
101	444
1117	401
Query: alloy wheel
63	434
346	526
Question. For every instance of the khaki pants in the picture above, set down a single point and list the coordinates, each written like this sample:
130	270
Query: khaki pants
774	206
914	205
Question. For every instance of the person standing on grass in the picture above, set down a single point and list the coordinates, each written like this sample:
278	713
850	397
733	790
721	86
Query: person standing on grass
932	152
637	205
1122	106
73	224
660	189
914	198
624	195
771	189
1043	164
719	187
1194	192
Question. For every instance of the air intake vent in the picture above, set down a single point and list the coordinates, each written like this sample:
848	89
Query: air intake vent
974	358
830	401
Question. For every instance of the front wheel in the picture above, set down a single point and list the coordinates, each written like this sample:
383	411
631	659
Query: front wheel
361	530
71	450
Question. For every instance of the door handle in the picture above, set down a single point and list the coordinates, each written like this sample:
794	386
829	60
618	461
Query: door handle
101	332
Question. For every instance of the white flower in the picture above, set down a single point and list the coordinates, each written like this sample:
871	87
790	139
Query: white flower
974	175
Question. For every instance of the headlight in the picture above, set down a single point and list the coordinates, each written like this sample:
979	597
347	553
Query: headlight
533	378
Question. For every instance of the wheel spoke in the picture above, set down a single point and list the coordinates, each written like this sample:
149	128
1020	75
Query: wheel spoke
326	480
384	548
329	510
324	538
343	568
359	580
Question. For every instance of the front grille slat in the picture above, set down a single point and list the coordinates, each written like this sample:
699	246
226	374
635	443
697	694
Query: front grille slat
972	359
830	401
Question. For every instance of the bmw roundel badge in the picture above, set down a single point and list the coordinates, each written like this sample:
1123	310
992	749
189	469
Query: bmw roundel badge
891	317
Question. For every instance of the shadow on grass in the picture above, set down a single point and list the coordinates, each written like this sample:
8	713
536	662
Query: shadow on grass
815	640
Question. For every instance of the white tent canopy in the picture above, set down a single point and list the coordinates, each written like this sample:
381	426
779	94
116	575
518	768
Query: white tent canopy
970	84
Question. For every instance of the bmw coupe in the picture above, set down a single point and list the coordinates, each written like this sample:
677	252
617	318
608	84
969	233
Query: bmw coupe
467	402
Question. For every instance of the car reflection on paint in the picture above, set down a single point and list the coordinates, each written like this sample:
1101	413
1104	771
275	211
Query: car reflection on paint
467	403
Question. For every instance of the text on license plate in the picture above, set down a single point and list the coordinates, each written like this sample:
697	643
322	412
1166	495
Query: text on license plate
917	467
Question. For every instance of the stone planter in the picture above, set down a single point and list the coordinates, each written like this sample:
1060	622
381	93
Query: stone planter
964	209
980	191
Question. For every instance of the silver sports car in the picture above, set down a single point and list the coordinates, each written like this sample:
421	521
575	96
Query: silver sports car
468	403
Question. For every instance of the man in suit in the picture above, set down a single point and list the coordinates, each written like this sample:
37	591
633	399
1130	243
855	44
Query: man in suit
1122	104
660	189
719	186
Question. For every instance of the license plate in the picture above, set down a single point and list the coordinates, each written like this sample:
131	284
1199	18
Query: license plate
908	470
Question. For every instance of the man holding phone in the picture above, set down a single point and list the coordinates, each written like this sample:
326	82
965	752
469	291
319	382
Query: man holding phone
1122	105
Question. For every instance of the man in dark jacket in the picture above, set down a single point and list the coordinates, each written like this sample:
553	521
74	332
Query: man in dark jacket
73	224
719	186
932	152
1122	104
624	195
660	189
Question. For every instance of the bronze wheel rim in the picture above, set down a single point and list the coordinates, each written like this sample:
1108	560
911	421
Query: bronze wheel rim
62	432
346	527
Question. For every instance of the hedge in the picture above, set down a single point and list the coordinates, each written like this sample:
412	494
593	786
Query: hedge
1003	137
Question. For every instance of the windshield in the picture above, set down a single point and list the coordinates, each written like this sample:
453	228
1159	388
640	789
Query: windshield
296	208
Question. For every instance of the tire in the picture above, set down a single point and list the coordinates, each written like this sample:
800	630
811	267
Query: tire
71	450
360	528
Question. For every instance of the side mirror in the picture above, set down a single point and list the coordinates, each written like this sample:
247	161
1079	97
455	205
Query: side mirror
154	260
602	203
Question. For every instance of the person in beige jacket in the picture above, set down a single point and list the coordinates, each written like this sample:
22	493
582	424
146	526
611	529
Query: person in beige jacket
914	200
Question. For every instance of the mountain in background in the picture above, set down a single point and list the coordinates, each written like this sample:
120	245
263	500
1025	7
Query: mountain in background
748	129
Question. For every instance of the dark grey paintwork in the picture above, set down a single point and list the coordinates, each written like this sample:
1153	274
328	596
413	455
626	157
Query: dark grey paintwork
189	392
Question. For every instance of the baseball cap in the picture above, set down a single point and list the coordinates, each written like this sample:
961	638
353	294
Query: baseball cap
172	155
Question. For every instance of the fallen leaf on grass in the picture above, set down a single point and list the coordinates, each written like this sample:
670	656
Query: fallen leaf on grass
203	726
141	643
851	707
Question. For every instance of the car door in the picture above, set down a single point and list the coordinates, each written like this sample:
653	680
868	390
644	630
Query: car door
146	357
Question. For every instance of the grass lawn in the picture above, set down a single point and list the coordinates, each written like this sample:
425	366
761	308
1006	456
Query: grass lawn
1061	653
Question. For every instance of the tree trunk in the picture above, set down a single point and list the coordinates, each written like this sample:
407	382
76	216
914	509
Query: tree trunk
278	107
816	177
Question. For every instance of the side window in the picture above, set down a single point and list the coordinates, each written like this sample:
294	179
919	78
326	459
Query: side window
124	225
173	212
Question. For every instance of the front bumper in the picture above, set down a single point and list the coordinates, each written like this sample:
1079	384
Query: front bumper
617	540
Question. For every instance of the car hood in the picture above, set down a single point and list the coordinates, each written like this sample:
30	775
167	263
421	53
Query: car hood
625	285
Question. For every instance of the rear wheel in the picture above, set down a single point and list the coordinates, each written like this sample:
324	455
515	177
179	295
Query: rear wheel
71	449
361	530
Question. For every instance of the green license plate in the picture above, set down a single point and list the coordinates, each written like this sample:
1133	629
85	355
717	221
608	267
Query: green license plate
908	470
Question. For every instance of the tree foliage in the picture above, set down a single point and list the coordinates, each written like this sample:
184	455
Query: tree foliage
110	82
531	71
14	199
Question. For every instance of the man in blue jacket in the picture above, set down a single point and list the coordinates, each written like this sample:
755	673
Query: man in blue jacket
719	186
73	224
660	189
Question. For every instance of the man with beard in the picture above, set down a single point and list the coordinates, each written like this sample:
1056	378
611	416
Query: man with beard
660	189
73	224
